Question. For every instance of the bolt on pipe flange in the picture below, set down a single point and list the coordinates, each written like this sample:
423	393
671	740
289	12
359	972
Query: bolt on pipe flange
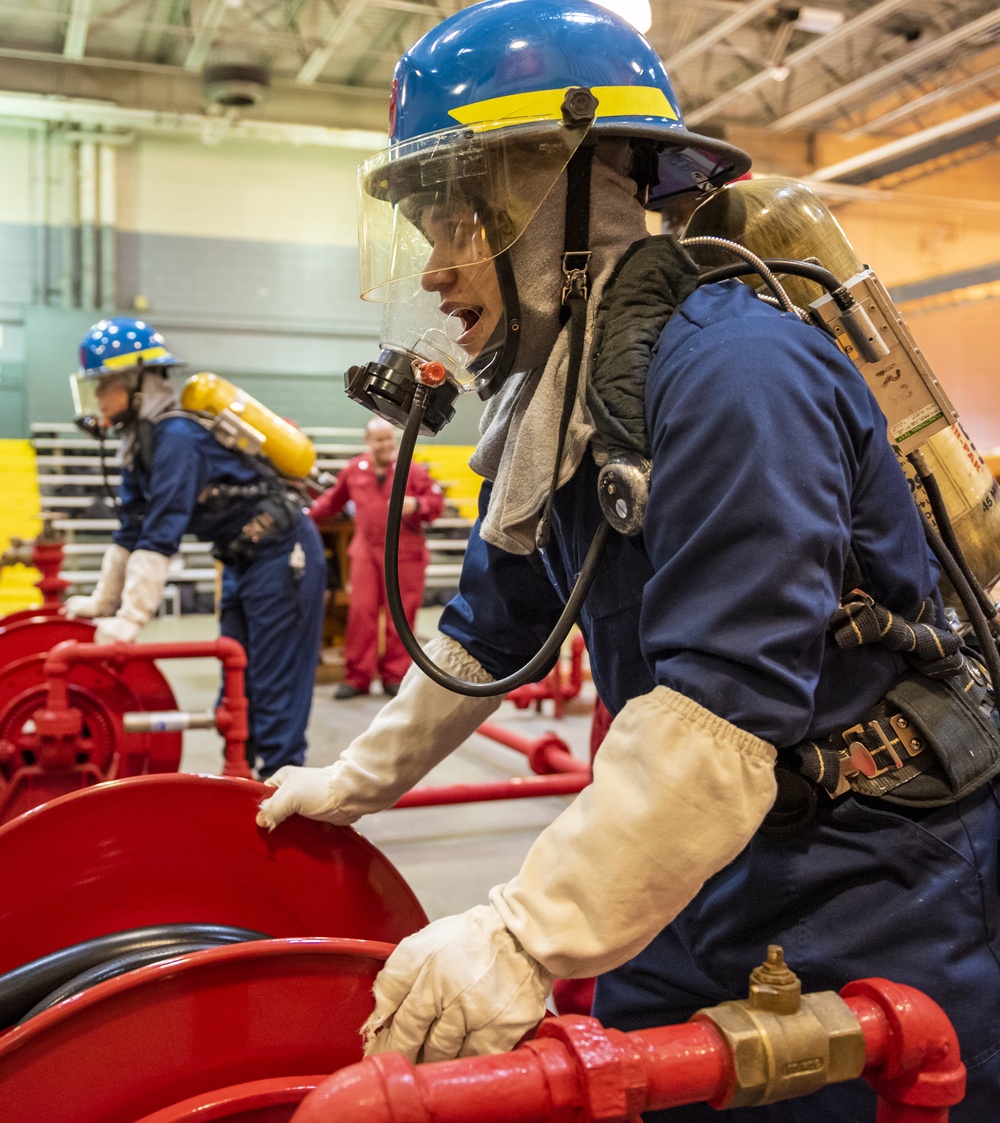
783	1044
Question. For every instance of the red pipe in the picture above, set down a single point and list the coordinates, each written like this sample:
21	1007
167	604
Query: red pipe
558	772
47	558
920	1073
577	1069
520	787
56	719
546	754
554	685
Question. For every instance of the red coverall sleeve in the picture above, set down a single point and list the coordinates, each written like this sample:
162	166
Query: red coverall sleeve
332	501
427	493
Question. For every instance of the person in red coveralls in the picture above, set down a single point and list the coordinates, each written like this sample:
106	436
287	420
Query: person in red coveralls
366	481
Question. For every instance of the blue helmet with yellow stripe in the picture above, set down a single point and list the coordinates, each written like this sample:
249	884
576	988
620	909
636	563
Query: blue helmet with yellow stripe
121	343
506	61
489	111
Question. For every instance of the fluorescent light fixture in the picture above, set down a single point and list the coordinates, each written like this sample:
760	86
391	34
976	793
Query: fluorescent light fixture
818	20
637	12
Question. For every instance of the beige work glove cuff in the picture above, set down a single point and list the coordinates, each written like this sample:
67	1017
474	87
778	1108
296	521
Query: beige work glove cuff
108	590
678	792
145	577
411	734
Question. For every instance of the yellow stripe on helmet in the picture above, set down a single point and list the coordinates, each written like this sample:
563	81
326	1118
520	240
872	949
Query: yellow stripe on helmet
546	105
134	358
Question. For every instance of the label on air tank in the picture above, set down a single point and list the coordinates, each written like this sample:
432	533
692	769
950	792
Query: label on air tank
915	423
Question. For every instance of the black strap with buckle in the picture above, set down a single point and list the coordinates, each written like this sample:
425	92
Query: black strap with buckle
938	736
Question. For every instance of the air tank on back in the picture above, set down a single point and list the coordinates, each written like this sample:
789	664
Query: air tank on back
252	428
776	217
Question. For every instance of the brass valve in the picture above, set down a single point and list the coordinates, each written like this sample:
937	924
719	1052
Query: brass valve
784	1043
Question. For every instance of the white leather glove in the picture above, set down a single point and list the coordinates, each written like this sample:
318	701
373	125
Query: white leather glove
460	987
108	590
414	731
115	629
145	576
677	793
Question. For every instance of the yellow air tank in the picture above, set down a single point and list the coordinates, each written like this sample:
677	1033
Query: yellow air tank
257	430
775	217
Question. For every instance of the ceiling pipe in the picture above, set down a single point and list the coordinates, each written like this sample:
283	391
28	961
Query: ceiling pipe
313	66
204	34
819	46
717	33
76	30
35	108
942	93
866	167
808	113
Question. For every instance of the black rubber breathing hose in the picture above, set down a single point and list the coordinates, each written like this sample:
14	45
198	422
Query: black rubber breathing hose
543	659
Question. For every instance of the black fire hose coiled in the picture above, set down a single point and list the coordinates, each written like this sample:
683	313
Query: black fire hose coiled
28	986
112	968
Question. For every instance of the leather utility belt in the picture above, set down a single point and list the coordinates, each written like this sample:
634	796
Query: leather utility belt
927	743
276	515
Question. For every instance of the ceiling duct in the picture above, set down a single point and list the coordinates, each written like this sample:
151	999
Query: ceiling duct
235	85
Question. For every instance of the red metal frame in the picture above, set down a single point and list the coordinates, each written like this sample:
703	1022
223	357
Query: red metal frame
32	770
576	1069
230	715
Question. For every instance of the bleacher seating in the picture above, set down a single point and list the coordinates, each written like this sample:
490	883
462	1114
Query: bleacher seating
71	481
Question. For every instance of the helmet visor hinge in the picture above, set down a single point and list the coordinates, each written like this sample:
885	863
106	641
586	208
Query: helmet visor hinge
579	107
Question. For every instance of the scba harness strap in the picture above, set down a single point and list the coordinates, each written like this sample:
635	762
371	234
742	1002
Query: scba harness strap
277	511
930	741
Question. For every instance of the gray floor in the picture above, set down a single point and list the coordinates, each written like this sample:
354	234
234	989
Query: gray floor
451	856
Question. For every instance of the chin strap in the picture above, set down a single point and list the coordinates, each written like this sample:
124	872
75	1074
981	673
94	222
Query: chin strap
575	294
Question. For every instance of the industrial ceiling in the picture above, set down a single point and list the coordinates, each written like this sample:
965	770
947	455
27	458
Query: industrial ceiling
911	79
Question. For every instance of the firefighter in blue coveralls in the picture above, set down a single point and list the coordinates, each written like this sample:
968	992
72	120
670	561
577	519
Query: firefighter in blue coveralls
177	478
709	633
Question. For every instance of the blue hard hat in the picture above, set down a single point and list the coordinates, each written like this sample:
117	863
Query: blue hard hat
506	61
118	344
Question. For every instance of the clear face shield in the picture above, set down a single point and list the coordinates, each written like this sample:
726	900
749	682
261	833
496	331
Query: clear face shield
437	214
97	400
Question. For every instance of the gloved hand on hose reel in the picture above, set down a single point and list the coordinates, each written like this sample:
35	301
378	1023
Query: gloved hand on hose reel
108	590
145	577
677	793
413	731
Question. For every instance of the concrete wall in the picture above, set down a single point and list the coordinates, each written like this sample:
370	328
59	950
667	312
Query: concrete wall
243	254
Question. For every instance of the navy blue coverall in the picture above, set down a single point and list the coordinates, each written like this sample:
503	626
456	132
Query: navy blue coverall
273	608
769	462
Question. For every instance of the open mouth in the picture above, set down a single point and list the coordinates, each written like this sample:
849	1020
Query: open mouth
469	316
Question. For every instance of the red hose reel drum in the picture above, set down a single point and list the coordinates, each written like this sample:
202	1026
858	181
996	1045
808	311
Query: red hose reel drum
102	692
157	1036
185	849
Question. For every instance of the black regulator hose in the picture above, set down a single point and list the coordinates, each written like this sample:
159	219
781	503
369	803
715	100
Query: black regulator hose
947	532
24	987
540	663
988	647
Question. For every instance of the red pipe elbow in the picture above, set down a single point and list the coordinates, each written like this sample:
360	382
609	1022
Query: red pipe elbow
916	1064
